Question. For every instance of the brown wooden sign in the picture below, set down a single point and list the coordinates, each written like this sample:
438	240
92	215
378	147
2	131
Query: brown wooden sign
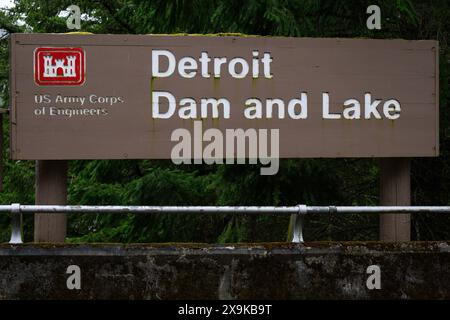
135	96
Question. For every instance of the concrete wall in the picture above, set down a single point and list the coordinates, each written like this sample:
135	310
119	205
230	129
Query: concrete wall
260	271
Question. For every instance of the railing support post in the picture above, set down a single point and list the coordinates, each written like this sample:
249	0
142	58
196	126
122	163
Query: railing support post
296	235
16	224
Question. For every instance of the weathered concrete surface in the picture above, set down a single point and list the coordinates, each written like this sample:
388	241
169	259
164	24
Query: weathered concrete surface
251	271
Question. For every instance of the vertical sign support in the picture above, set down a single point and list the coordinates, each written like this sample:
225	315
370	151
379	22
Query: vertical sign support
51	188
2	164
395	190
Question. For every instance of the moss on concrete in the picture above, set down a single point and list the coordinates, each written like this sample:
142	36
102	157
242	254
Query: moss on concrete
313	270
422	246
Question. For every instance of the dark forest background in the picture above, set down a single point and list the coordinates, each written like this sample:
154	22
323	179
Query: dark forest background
306	181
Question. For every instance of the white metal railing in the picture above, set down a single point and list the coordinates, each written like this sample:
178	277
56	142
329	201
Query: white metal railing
298	212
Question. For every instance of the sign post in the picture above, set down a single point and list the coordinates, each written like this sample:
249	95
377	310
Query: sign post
395	190
51	188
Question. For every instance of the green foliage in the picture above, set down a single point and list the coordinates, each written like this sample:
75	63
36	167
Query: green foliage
314	182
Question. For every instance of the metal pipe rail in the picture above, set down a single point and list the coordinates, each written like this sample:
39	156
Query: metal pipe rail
298	212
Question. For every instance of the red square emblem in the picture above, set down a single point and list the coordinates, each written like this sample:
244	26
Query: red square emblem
59	66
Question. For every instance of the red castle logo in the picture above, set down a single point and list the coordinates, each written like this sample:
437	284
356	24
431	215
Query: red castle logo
59	66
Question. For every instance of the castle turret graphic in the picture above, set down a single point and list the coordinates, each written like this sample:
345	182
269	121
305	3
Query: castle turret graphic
66	65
